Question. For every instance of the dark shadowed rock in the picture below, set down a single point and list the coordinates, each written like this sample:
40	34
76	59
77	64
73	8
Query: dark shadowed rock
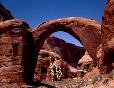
67	51
5	14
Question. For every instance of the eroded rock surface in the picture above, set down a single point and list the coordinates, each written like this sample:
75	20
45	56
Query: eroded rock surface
87	31
67	51
18	56
51	67
106	50
46	64
16	49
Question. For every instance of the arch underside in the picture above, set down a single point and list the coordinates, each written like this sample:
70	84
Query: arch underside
87	31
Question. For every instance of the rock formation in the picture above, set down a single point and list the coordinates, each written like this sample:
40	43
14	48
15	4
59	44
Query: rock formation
87	31
51	66
67	51
46	64
20	46
106	49
17	47
85	63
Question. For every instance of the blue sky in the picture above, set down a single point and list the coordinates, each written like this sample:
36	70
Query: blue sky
35	12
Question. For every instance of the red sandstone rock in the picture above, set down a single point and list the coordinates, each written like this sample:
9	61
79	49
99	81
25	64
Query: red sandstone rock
16	49
14	33
85	59
106	49
87	31
47	61
67	51
85	64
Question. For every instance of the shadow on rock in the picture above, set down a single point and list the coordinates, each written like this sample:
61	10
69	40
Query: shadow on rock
39	84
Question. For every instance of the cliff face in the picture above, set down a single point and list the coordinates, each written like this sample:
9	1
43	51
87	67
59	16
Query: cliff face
16	49
106	50
5	14
67	51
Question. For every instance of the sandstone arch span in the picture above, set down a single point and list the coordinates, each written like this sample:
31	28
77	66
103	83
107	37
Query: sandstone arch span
87	31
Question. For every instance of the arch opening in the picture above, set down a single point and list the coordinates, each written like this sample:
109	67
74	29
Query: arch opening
67	37
86	31
57	49
63	47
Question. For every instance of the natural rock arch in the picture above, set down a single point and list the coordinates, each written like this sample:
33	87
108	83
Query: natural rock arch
87	31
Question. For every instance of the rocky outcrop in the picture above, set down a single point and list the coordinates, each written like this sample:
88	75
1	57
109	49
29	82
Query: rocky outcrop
5	14
85	59
106	49
47	65
16	49
67	51
51	67
85	64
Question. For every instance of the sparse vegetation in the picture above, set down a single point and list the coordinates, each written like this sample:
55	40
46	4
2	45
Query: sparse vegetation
81	82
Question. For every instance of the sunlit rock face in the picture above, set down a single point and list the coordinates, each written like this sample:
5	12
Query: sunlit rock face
16	49
106	50
85	63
